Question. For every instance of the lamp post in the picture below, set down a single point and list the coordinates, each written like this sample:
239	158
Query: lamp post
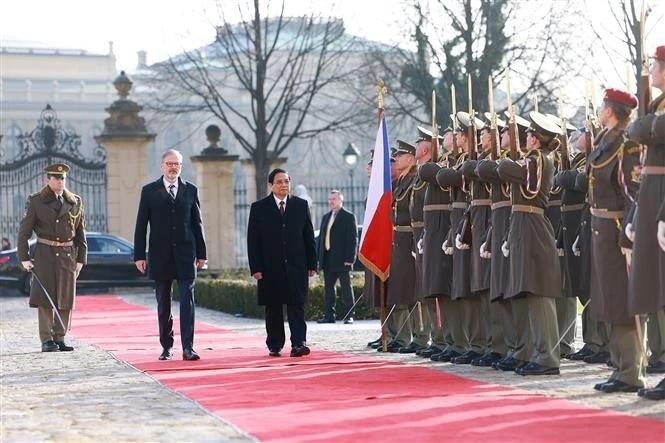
351	154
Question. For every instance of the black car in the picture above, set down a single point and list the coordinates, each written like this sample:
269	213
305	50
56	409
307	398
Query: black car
110	264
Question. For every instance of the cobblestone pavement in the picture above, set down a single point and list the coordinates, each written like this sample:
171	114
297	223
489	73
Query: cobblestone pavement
87	395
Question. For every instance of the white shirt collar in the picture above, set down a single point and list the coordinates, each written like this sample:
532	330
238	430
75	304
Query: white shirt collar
277	200
167	184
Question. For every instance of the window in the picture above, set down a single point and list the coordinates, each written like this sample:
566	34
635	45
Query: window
107	246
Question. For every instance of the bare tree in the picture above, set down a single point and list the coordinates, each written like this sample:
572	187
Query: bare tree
269	80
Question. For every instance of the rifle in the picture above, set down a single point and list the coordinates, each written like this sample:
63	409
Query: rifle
512	124
645	85
588	124
565	160
471	131
454	119
435	130
494	131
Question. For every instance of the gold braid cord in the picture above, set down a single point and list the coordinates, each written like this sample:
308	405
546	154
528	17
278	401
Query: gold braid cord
539	174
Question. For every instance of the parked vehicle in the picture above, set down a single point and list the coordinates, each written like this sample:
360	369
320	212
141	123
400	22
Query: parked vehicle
110	264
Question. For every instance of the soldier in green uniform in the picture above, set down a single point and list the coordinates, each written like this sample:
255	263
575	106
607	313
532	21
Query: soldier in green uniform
56	216
534	264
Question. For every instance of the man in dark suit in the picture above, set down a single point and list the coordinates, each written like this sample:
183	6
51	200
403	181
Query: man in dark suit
336	249
282	255
176	248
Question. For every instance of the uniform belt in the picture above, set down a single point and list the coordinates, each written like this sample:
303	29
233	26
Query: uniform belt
459	205
503	204
554	203
54	243
653	170
438	207
528	209
570	208
402	228
417	224
481	202
606	213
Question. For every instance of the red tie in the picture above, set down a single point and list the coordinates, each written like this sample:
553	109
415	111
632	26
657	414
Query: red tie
281	208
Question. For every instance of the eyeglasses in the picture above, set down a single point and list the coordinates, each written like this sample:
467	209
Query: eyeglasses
173	164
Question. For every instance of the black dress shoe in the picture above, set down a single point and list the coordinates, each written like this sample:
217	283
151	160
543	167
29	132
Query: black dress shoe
428	352
166	354
597	358
50	346
508	364
64	347
618	386
465	358
374	344
274	353
299	351
533	368
348	321
487	359
599	386
190	355
325	320
412	348
657	393
581	354
391	347
655	368
445	356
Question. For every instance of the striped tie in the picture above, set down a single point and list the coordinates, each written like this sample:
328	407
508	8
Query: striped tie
171	193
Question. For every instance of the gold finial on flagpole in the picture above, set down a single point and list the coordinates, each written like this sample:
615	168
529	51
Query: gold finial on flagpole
381	90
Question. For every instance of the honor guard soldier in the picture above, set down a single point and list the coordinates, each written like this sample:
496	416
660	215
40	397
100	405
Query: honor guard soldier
56	216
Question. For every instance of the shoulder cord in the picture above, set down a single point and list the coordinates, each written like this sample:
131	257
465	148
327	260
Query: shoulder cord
539	176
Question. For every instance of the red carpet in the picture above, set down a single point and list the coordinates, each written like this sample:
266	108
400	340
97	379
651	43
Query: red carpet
343	398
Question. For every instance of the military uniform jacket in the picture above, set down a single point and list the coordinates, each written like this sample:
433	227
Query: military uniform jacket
452	178
54	265
610	184
534	264
416	203
481	213
437	266
647	280
498	232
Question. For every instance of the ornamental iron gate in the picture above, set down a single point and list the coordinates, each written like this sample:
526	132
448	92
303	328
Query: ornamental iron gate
24	174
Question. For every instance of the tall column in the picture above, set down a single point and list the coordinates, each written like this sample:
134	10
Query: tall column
126	140
214	177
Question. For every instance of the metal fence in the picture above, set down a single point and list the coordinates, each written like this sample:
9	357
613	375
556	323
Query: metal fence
316	193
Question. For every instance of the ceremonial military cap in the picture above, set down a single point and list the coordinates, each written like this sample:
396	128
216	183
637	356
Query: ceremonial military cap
426	134
543	125
659	54
448	129
57	169
404	148
499	123
520	121
556	119
620	97
464	120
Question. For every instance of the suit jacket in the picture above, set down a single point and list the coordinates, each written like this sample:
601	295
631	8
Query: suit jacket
176	231
281	248
343	241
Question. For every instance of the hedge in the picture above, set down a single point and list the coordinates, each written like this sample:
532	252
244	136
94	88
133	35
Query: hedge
238	297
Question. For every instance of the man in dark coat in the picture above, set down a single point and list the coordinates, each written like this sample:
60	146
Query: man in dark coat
176	248
57	217
336	253
282	255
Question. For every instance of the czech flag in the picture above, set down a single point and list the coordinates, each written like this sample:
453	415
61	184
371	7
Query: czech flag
377	235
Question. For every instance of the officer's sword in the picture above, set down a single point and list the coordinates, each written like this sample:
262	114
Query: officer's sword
570	325
354	305
388	316
50	300
406	320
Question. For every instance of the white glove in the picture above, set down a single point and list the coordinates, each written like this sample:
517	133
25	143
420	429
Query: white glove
459	244
661	234
575	247
559	251
413	254
420	246
27	265
446	249
483	251
630	232
505	250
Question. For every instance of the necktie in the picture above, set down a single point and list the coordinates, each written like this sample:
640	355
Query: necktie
59	197
171	191
281	208
328	229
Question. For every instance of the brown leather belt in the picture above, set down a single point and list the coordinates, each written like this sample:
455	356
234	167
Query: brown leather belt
570	208
437	207
459	205
417	224
54	243
553	203
402	229
503	204
653	170
481	202
528	209
606	213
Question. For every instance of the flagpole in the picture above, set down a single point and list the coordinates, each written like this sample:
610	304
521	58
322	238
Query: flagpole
381	90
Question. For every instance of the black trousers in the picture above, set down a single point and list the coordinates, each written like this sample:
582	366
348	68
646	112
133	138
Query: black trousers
163	294
275	325
329	280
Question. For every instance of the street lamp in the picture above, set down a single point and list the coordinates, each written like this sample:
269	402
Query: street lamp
351	154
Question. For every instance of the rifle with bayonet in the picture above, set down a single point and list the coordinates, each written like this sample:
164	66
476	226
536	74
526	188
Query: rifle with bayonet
471	131
512	124
494	130
454	120
565	160
645	84
435	130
